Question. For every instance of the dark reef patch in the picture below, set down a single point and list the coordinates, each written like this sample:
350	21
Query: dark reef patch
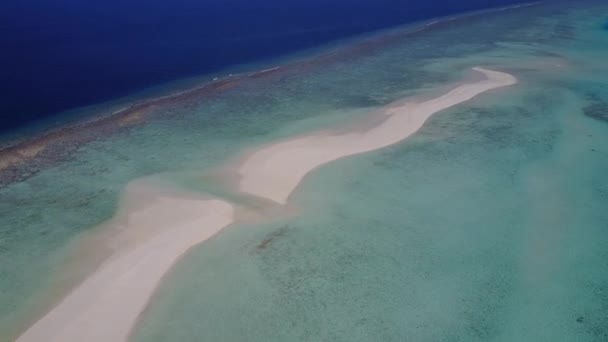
24	159
272	237
597	111
565	31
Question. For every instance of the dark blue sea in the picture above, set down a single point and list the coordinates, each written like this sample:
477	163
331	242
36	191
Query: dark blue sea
57	55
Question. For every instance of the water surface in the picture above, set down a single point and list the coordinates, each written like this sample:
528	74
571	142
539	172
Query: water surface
488	224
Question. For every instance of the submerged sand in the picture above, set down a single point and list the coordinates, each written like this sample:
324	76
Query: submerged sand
106	306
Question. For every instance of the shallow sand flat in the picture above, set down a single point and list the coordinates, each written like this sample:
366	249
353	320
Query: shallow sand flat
106	305
273	172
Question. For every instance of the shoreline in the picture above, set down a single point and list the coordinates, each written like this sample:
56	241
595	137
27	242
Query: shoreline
159	225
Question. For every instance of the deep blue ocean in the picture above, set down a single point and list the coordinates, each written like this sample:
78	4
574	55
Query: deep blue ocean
62	54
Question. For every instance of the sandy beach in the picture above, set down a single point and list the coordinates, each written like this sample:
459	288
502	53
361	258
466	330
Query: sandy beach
106	306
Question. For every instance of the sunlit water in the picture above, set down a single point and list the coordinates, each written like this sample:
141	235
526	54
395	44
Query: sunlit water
490	223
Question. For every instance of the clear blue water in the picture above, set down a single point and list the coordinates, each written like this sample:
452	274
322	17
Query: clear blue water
488	224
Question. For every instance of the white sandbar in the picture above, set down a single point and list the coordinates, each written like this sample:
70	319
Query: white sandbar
273	172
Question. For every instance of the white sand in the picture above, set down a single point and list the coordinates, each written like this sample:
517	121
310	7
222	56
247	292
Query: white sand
160	227
274	172
105	307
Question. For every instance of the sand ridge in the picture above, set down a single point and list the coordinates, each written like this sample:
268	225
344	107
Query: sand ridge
273	172
106	306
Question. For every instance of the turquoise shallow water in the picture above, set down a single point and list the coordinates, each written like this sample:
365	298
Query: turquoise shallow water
488	224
